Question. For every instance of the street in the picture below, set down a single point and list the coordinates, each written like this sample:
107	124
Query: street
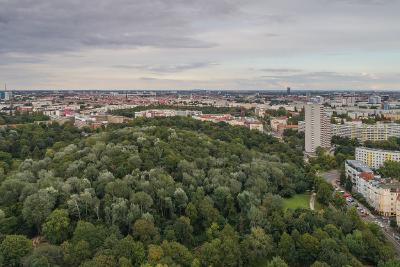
333	177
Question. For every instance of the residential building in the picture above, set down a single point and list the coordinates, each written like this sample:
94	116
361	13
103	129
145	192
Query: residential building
251	123
374	99
392	116
254	125
153	113
375	158
260	111
318	128
381	194
356	168
277	122
398	210
302	126
282	128
366	132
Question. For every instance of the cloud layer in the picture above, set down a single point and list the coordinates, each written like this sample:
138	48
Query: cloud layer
229	44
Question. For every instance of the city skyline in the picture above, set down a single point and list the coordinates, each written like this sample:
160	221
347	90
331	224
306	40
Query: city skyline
228	45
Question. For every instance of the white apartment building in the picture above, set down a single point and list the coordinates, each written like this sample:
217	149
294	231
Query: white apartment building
302	126
354	169
374	99
381	194
375	158
317	128
398	210
365	132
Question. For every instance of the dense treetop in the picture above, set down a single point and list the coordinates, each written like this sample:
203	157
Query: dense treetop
176	192
21	118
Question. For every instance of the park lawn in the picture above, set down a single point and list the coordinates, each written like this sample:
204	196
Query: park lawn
297	201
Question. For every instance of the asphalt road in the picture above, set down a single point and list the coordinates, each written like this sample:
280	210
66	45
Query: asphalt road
333	177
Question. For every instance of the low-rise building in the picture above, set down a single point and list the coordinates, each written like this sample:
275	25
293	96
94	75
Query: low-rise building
254	125
153	113
251	123
278	122
282	128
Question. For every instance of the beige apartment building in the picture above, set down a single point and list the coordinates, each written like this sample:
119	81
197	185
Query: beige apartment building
375	158
317	128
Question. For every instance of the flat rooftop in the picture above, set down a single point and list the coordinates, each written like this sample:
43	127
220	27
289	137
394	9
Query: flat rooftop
378	149
359	165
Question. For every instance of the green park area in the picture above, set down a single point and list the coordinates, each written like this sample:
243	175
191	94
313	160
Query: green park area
297	201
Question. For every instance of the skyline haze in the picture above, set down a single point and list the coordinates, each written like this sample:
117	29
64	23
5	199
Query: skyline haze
231	45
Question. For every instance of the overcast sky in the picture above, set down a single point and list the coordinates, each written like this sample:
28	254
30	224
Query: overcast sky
214	44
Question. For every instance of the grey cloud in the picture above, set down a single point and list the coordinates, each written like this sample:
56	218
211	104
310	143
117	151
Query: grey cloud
280	70
95	38
167	68
363	2
52	26
330	77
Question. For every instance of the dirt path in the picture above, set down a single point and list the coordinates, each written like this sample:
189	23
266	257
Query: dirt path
312	201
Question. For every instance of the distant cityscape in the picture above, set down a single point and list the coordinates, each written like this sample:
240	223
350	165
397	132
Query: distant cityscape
317	116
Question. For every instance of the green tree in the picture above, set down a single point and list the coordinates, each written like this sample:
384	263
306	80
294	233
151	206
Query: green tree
324	193
320	264
45	255
93	235
390	169
308	249
37	207
130	249
101	261
389	263
277	262
287	248
176	254
76	253
55	229
13	248
144	230
256	247
183	230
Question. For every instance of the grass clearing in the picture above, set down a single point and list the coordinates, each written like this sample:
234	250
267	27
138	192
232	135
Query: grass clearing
297	201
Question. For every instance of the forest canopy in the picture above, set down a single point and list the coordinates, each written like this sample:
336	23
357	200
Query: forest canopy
176	192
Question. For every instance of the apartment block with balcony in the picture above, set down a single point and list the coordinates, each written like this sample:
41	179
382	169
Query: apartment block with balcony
375	158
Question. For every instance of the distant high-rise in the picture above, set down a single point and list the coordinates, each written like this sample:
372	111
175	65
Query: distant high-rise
374	99
288	90
317	128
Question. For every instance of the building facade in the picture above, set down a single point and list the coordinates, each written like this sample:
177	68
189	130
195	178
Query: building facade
375	158
366	132
317	128
381	194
